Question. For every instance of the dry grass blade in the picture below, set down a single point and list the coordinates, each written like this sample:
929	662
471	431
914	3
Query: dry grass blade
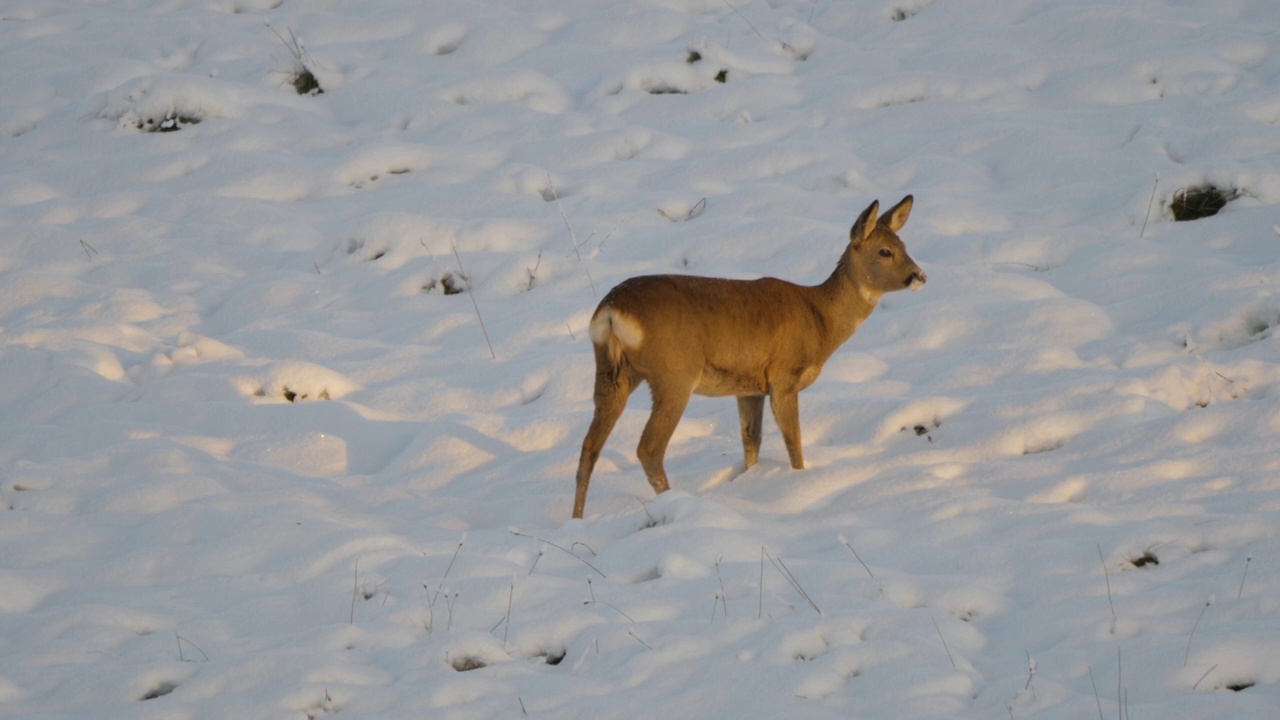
859	558
785	572
507	627
573	237
944	644
1107	575
444	577
181	640
561	549
1187	656
1150	202
1202	677
744	18
1096	697
474	304
355	590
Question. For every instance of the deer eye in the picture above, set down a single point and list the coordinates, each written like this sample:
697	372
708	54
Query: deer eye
886	252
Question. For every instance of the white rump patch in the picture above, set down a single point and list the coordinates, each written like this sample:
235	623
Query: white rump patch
624	327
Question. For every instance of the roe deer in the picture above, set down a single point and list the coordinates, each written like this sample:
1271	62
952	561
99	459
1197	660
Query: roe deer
750	338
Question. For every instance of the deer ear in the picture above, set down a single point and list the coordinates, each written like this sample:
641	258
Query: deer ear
865	223
895	217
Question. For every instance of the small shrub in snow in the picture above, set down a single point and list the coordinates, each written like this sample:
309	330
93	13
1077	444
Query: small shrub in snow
448	283
1200	202
302	78
304	81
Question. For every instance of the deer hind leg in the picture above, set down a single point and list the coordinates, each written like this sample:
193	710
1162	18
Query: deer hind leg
786	411
669	402
751	413
613	386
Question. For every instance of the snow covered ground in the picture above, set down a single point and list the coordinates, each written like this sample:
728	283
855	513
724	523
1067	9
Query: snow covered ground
258	463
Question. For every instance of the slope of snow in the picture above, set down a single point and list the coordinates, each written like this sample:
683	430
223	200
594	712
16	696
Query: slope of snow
260	464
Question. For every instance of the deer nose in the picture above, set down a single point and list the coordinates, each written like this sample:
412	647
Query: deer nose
916	280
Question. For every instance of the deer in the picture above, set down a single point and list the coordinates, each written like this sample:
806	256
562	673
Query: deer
752	339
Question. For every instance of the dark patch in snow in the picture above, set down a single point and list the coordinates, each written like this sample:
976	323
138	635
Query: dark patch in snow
1237	687
791	52
465	663
1044	447
1201	202
551	656
923	429
293	396
171	122
1146	559
448	283
662	88
305	83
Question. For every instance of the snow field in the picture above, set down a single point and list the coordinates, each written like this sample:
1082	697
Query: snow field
261	462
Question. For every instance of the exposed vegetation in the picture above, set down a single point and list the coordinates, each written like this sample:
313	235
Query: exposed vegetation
448	283
302	77
1200	202
171	122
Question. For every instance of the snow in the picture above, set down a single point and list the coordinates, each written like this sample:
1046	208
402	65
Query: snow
261	461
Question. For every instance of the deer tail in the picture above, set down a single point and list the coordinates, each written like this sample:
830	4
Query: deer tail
613	332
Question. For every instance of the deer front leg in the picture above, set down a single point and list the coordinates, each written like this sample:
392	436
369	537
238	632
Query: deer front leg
669	402
786	411
751	414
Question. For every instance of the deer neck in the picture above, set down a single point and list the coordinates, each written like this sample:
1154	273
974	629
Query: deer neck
849	301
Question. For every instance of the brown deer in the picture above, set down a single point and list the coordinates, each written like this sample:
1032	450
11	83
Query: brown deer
749	338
